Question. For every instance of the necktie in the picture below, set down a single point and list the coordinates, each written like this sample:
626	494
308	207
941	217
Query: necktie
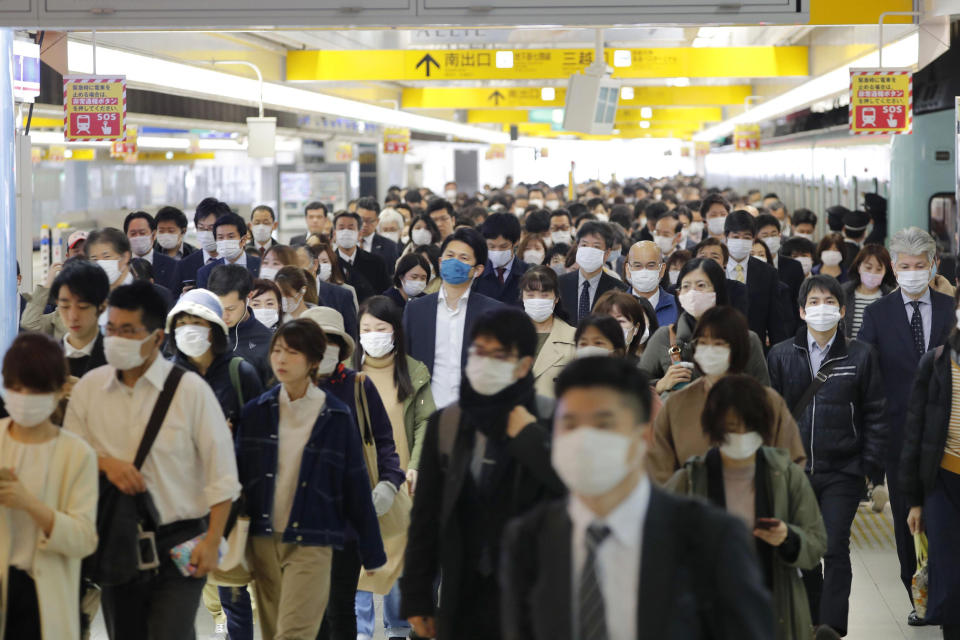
593	620
500	272
739	272
584	307
916	327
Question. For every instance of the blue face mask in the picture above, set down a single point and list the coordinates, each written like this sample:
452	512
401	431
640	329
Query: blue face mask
453	271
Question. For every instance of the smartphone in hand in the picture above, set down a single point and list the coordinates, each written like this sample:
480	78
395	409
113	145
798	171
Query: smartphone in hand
766	523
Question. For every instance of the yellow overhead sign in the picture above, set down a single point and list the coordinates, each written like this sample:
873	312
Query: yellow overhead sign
533	97
697	115
832	12
531	64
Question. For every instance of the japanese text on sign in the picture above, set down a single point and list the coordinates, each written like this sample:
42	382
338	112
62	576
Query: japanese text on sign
881	101
95	107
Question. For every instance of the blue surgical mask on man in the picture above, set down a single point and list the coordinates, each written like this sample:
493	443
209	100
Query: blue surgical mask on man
454	271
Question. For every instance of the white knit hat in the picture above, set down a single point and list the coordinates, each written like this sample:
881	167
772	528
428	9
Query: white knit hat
331	322
201	303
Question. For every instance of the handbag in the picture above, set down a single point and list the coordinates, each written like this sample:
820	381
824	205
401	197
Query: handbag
396	521
921	577
127	525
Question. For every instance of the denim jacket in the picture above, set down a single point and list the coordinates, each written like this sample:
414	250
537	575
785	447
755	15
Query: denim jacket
333	488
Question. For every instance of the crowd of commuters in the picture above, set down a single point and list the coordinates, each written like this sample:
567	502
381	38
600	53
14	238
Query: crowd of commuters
588	412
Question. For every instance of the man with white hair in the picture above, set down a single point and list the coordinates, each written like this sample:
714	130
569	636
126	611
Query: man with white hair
391	225
902	326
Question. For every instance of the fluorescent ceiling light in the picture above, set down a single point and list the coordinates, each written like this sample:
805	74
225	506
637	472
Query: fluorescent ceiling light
644	124
548	94
626	93
163	75
622	58
900	54
646	113
504	60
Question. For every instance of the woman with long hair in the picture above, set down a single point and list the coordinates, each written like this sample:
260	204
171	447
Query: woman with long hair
556	340
870	277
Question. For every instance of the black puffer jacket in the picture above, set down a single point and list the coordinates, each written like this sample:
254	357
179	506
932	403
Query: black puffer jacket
218	377
843	427
928	420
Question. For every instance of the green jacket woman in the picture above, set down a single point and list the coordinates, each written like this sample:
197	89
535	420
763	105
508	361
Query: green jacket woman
417	408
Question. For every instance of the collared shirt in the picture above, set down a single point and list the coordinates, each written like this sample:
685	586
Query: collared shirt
72	352
926	313
618	558
242	260
148	256
297	418
208	257
448	346
654	300
818	355
191	466
507	268
594	283
367	243
345	257
732	269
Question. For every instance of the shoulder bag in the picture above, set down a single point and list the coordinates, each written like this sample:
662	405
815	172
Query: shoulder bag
807	397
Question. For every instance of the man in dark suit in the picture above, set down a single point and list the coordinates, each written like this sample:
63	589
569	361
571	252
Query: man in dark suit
789	270
461	508
620	557
318	222
902	326
579	290
141	230
231	233
341	299
500	279
436	325
263	222
372	242
364	271
171	228
207	213
766	311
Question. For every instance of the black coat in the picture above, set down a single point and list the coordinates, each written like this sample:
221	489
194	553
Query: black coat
791	274
699	576
843	427
250	340
368	274
203	273
509	292
165	270
570	293
765	315
218	377
387	250
928	420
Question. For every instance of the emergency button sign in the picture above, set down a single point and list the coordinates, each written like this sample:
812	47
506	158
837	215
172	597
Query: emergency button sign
95	108
881	101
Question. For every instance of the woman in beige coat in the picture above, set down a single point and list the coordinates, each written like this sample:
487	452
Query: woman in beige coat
556	345
48	498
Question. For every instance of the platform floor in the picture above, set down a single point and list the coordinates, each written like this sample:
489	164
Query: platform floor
878	604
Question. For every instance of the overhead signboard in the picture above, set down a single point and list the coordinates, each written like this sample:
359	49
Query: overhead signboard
396	140
94	108
881	101
534	97
746	137
533	64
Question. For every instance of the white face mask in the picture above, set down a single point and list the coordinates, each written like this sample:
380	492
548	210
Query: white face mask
229	249
561	237
773	243
377	344
269	273
537	202
450	194
739	248
290	304
740	446
806	262
193	340
421	236
533	257
267	317
713	360
822	317
589	259
141	245
124	354
539	309
29	409
696	232
489	376
331	357
674	275
261	233
665	244
871	280
696	302
592	461
347	238
111	268
324	270
592	351
168	240
614	256
207	241
715	225
500	258
552	205
831	258
393	236
413	288
518	211
645	280
913	282
602	217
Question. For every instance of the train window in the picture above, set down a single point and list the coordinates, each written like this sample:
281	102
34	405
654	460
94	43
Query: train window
944	228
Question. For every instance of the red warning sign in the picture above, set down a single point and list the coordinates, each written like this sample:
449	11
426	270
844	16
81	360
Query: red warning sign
94	108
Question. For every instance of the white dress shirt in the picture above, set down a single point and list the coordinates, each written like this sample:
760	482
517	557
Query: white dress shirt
594	283
732	269
818	355
654	300
72	352
297	418
926	313
618	558
367	243
448	345
147	256
191	466
345	257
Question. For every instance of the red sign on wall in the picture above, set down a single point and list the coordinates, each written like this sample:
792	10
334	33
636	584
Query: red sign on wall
94	108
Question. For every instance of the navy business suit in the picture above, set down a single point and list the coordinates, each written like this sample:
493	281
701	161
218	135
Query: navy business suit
186	270
203	274
340	299
509	292
886	325
791	274
387	249
420	325
570	292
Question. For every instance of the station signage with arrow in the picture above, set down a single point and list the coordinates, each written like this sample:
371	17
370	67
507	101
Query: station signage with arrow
881	101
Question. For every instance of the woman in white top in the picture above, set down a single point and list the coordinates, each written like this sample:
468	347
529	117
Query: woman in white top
48	498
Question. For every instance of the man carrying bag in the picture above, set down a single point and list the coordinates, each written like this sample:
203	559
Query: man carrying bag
167	460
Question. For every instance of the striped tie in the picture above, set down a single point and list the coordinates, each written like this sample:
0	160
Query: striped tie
593	622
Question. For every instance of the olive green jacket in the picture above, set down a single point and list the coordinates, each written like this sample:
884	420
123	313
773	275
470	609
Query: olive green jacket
417	408
793	501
